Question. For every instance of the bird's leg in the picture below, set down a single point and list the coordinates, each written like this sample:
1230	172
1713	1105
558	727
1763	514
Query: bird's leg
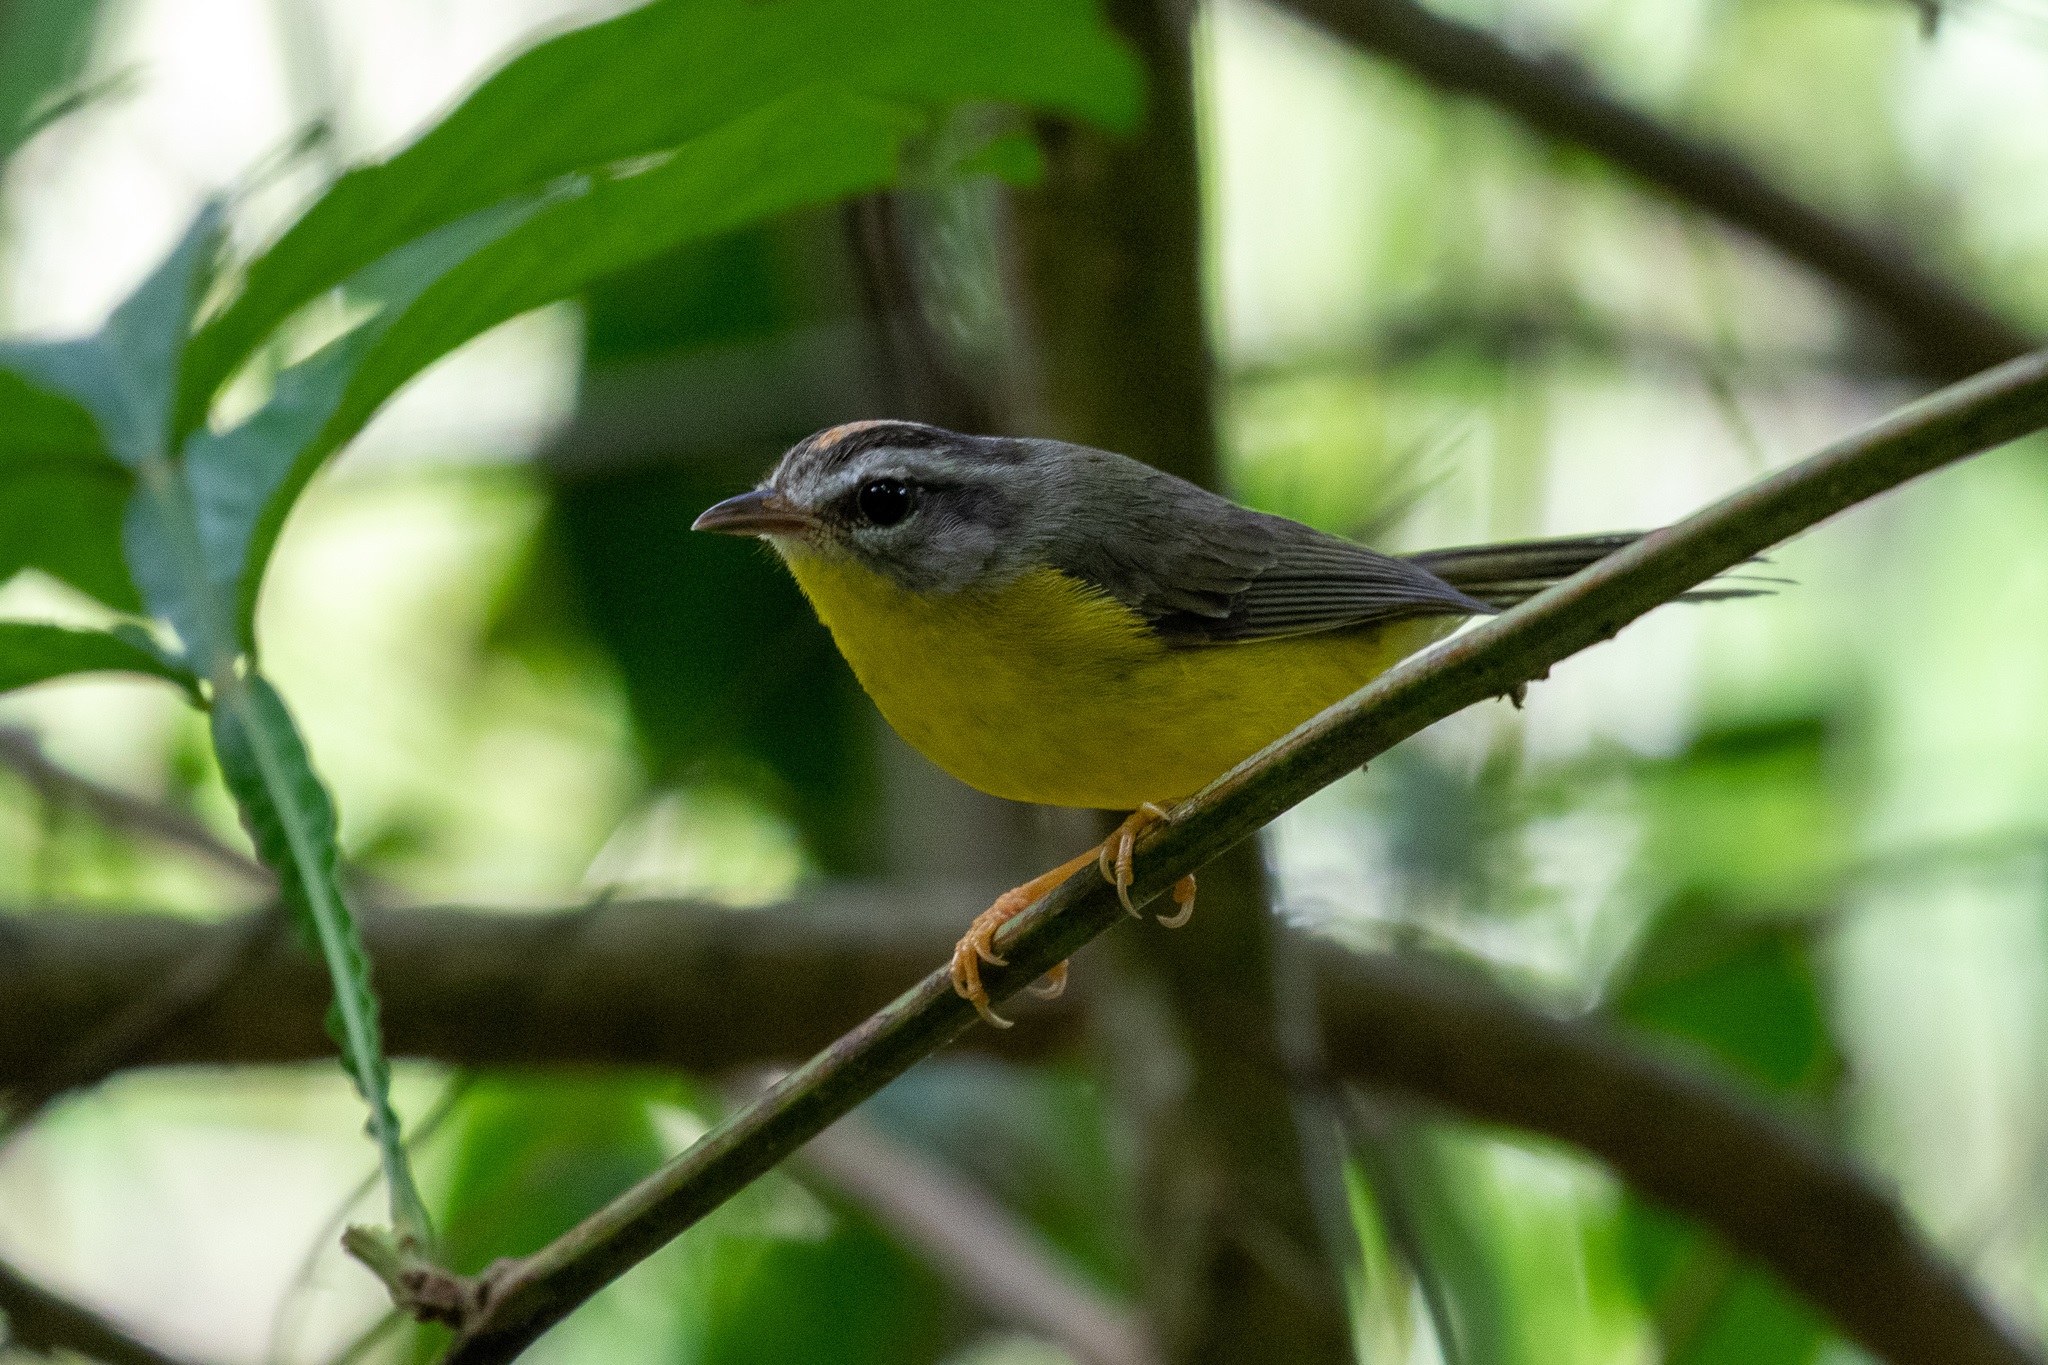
1113	857
978	944
1119	874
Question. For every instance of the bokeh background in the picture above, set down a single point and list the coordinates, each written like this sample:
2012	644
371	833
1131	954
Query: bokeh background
1802	837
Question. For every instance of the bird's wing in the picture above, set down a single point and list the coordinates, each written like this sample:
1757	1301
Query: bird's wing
1202	570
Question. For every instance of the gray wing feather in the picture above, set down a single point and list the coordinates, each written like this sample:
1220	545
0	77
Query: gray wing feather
1202	570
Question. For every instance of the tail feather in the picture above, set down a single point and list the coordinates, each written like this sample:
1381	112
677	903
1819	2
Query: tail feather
1503	576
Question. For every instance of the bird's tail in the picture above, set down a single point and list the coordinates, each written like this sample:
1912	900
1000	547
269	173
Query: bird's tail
1503	575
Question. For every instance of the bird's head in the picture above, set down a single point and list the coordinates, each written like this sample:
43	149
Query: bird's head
932	509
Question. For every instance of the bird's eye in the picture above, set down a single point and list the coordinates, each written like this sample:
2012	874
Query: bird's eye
884	502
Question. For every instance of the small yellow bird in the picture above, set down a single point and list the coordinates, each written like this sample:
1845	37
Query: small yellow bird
1061	625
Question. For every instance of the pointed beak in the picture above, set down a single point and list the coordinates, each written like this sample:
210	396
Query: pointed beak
758	513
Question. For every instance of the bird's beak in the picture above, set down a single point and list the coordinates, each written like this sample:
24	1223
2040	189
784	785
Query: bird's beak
758	513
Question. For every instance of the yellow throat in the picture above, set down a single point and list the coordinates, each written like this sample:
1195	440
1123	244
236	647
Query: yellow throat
1049	690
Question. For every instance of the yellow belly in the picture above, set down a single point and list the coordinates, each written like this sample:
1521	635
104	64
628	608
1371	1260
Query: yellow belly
1050	691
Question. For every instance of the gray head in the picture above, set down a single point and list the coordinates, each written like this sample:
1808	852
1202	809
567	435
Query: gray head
935	510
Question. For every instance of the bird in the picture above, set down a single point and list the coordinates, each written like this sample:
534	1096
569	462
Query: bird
1068	626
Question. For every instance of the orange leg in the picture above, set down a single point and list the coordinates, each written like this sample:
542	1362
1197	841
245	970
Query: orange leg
1113	857
978	945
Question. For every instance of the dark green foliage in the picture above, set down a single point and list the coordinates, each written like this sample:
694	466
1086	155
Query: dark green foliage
849	1296
1742	985
1744	988
1710	1309
60	495
536	1154
729	675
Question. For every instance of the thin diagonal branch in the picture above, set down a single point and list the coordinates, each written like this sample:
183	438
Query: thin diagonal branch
695	987
118	810
1945	333
44	1322
517	1300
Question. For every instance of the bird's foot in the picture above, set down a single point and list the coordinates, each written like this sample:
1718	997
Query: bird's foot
1113	857
978	944
1114	860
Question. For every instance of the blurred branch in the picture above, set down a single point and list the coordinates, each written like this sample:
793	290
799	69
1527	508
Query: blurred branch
44	1323
156	1007
974	1244
623	986
118	810
1945	333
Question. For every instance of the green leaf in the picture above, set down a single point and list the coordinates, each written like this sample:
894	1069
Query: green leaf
61	495
538	1154
431	297
850	1297
291	819
1752	811
1742	987
36	651
650	80
1709	1308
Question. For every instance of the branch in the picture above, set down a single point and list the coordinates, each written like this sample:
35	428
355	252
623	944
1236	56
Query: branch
626	985
46	1323
1946	333
156	1007
976	1245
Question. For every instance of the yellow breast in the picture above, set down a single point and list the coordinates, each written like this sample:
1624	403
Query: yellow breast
1051	691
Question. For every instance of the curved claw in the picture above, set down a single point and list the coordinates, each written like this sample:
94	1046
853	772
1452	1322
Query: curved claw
1054	984
966	972
1125	839
1184	897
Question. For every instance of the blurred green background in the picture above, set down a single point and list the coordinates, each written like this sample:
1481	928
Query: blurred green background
1802	839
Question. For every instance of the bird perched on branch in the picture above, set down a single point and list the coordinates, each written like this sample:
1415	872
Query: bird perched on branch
1066	626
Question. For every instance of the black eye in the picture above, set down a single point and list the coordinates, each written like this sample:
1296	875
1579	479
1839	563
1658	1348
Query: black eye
884	502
